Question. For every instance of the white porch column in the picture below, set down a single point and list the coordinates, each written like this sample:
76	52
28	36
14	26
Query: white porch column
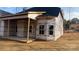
28	28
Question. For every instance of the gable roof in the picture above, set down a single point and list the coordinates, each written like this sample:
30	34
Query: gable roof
50	11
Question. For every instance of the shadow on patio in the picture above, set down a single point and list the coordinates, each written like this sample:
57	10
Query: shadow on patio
19	41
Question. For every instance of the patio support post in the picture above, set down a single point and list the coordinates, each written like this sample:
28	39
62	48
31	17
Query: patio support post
8	27
28	29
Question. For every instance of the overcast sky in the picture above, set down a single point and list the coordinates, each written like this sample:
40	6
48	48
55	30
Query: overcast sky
74	11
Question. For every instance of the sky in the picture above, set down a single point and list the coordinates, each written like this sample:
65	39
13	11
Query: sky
12	9
72	11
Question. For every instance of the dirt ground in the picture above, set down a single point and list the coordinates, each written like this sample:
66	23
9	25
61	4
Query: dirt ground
68	42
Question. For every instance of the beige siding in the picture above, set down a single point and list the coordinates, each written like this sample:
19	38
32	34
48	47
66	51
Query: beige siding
57	22
5	28
58	27
1	28
46	35
22	28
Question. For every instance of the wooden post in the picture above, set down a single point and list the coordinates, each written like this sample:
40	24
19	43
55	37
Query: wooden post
28	29
8	28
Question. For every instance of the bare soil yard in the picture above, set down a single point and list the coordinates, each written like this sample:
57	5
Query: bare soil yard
68	42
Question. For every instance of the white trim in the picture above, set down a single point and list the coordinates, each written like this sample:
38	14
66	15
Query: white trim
28	28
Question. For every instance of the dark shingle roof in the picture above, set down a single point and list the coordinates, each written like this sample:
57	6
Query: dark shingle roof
50	11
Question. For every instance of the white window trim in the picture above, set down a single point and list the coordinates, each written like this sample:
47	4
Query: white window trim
41	29
51	29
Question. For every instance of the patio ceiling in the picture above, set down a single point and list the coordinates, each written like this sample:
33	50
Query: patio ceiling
13	17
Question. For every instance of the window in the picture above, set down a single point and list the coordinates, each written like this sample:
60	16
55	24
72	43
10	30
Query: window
30	30
51	30
41	29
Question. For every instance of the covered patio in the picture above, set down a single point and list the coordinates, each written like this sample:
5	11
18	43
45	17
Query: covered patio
18	27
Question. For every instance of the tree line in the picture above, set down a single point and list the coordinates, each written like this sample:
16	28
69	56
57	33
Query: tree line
68	23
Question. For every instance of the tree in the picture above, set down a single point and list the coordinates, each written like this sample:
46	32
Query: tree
75	21
67	24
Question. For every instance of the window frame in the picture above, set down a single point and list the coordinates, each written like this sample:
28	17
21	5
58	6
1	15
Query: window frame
41	29
51	30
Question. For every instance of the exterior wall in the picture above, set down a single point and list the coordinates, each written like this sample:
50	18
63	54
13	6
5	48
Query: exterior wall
46	35
38	36
22	28
20	31
13	28
51	22
5	28
1	28
57	22
58	27
3	25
